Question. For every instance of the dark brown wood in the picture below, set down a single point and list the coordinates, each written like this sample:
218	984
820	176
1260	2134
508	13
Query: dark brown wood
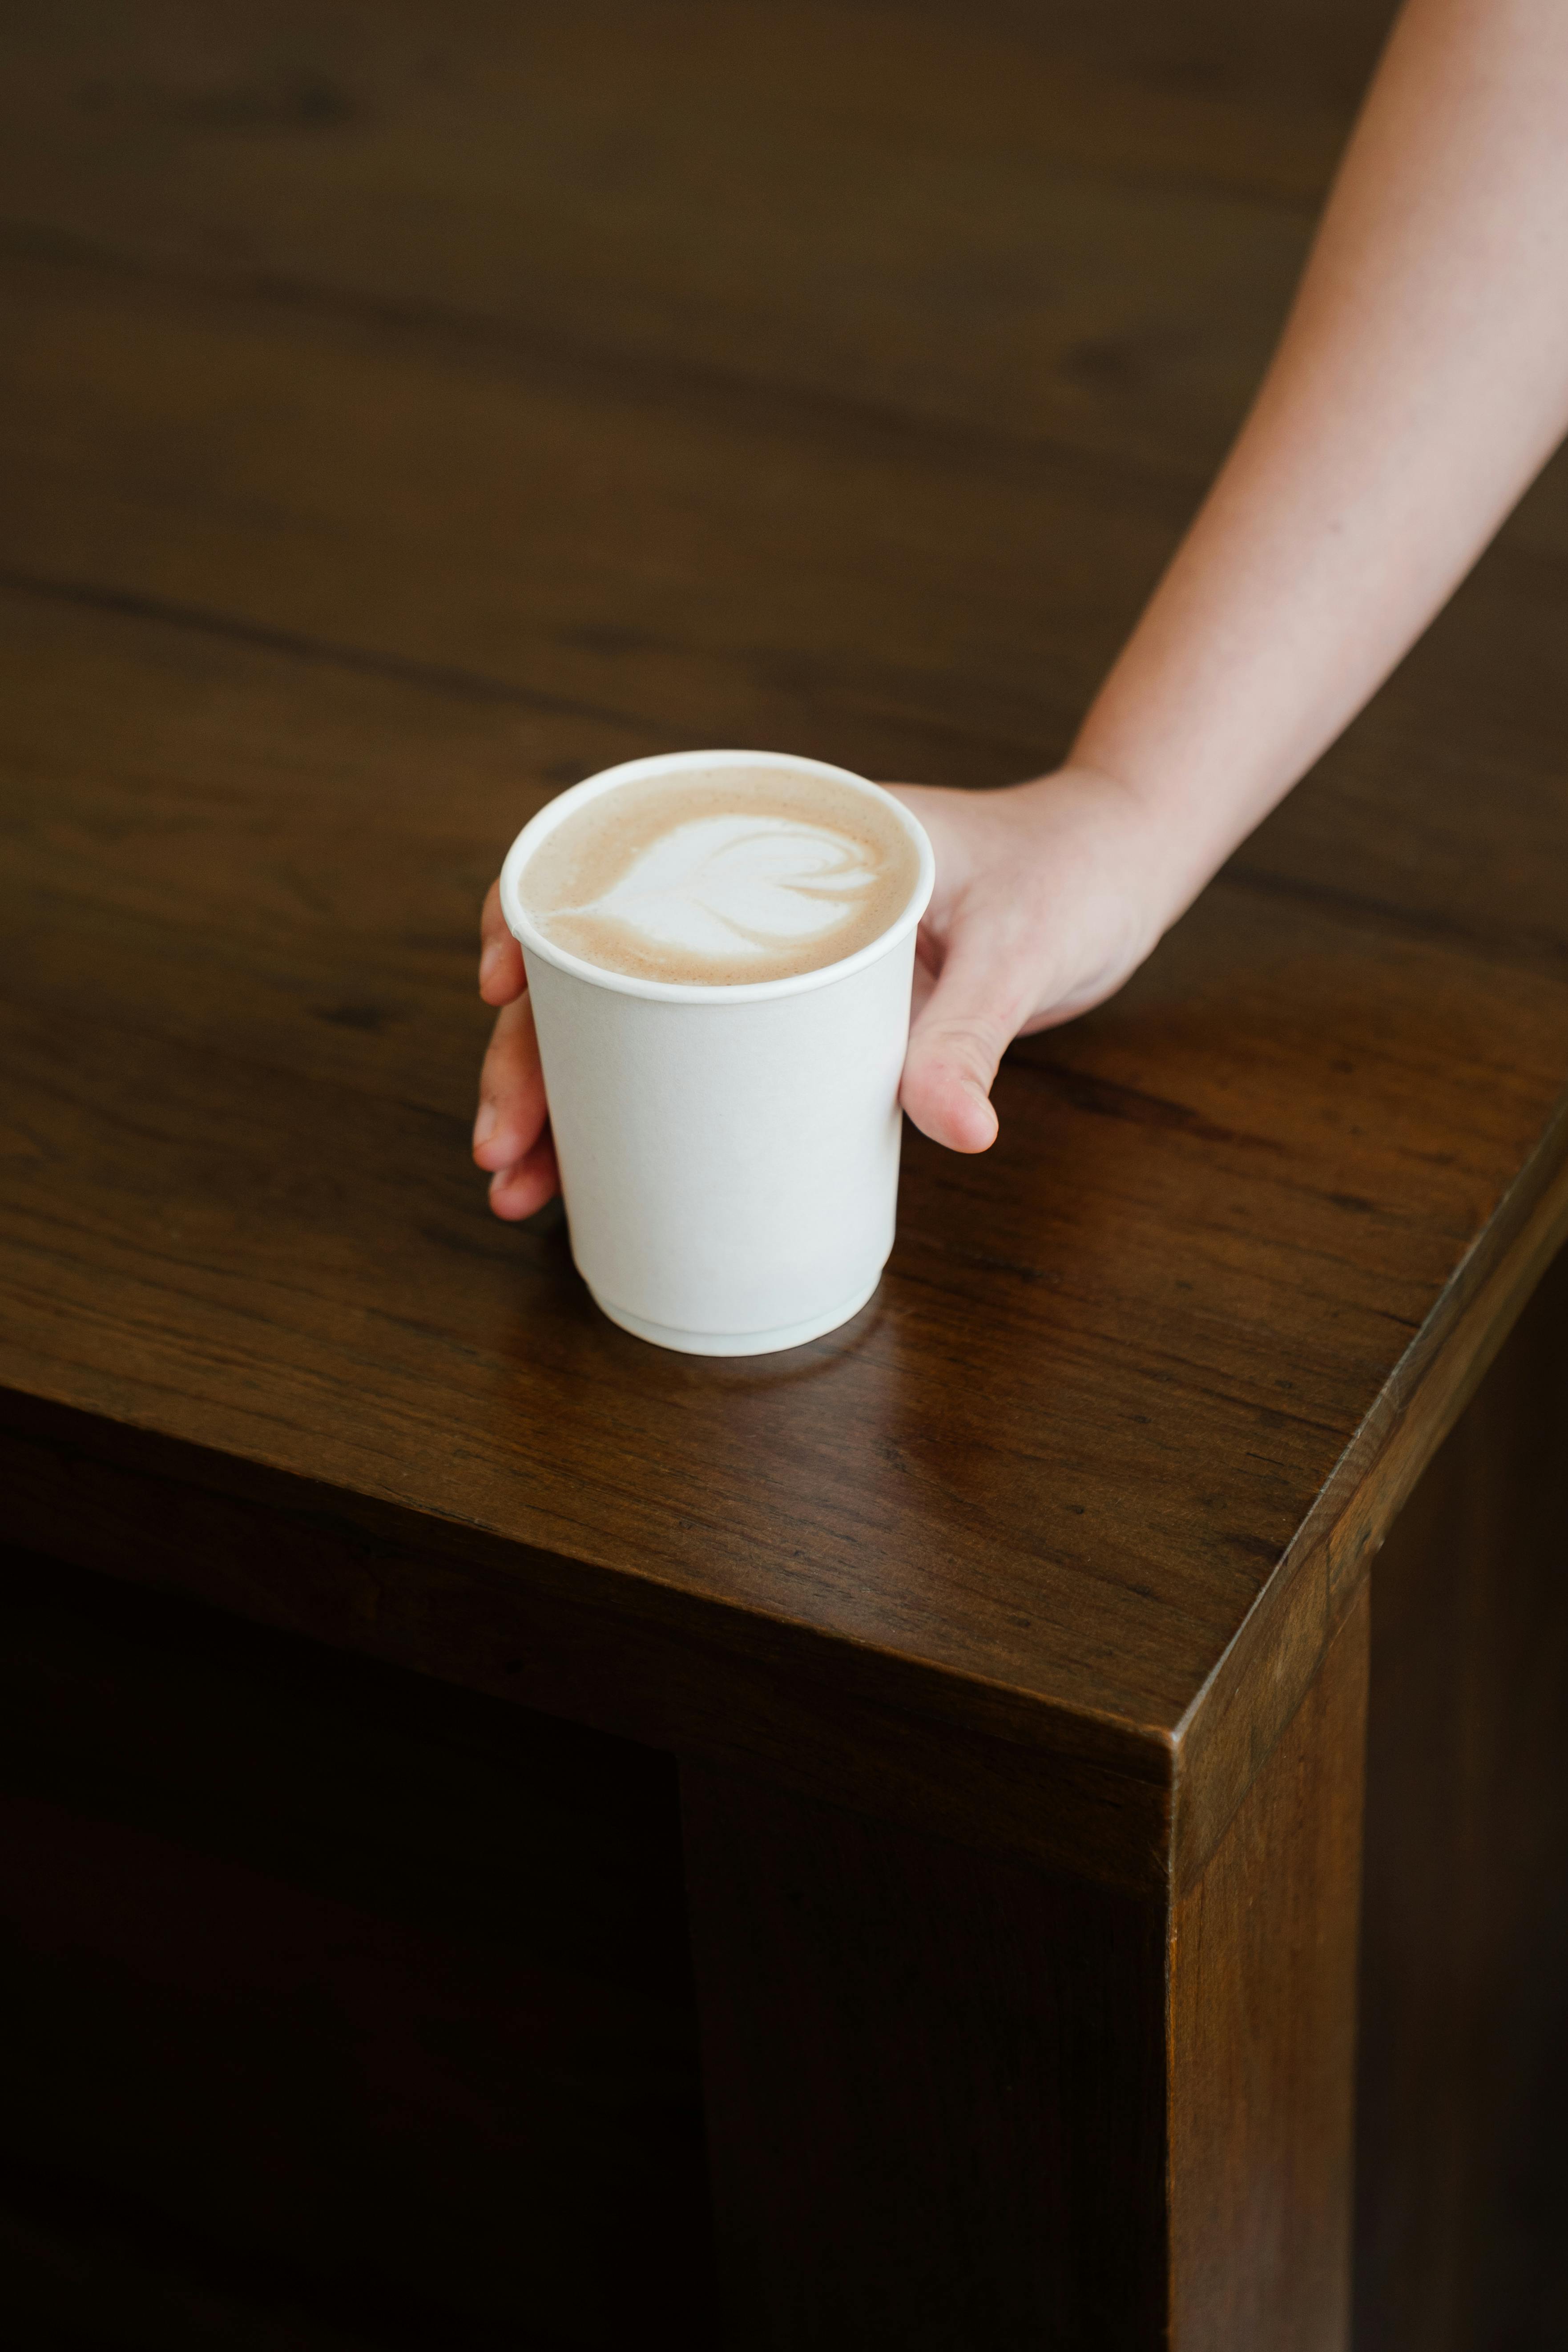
1073	224
1262	2040
951	2100
1325	1568
314	1560
396	428
348	1997
935	2085
1073	1595
1464	1996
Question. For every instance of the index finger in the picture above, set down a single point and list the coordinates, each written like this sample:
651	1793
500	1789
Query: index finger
501	976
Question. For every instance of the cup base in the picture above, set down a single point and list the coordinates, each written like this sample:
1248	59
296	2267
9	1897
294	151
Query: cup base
736	1343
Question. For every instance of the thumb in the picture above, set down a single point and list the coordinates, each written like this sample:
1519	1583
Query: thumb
965	1026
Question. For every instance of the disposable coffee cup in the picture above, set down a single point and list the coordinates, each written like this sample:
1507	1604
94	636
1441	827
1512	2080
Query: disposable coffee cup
728	1155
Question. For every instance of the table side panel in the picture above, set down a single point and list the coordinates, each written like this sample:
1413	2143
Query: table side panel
627	1658
932	2084
1462	2164
1263	1678
1261	2036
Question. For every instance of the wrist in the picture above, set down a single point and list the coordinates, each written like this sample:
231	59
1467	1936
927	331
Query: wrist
1185	827
1144	839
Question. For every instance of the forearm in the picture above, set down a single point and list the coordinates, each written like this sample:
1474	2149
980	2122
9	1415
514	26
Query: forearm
1421	382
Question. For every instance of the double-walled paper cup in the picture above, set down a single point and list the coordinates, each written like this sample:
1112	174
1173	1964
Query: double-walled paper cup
729	1156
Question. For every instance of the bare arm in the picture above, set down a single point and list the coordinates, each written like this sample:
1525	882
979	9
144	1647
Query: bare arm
1421	382
1420	385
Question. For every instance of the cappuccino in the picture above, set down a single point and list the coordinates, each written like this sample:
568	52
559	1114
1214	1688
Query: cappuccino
721	877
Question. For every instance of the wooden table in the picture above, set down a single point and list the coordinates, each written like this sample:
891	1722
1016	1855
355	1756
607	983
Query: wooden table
481	1795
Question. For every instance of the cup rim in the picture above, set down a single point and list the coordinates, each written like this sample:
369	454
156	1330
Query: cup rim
686	991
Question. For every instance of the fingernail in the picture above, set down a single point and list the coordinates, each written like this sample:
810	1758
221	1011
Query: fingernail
489	964
486	1124
503	1176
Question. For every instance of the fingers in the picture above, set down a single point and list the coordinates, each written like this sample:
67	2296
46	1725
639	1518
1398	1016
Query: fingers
512	1109
518	1192
500	957
968	1021
510	1137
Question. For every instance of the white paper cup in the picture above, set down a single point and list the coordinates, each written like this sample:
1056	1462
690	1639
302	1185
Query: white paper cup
729	1156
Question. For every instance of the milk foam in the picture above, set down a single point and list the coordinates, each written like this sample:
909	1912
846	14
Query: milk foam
738	885
721	879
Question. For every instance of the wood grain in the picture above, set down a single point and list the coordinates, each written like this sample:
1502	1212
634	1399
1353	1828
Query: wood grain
1464	1992
827	1723
1319	1582
970	1518
954	2100
402	419
808	197
1261	2023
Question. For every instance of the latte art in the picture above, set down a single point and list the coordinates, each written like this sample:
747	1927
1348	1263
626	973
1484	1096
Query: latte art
721	879
725	886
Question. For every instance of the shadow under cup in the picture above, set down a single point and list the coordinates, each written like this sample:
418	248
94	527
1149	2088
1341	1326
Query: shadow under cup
729	1156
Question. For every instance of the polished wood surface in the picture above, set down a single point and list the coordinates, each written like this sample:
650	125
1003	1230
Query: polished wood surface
401	420
310	600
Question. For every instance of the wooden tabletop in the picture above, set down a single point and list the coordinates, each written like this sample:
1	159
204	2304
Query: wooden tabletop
401	421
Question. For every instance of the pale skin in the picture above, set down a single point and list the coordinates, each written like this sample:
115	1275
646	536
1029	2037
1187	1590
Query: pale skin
1420	385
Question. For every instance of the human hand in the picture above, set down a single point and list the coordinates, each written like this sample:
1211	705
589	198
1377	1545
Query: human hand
1048	896
511	1134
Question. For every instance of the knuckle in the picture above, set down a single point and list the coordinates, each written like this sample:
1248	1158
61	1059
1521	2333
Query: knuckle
972	1040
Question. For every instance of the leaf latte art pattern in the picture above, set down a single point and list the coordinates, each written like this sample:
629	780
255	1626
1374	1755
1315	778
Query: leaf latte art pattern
722	879
734	885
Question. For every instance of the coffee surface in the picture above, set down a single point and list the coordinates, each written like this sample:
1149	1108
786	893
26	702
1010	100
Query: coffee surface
737	875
